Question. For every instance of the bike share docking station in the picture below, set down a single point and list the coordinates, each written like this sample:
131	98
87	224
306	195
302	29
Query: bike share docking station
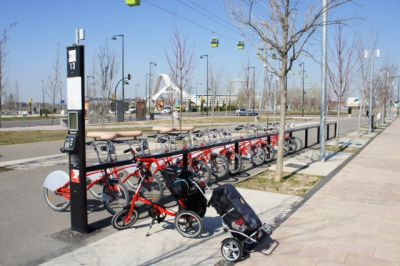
75	141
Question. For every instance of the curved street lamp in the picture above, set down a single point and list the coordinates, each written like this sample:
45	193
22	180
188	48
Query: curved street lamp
150	79
201	57
123	65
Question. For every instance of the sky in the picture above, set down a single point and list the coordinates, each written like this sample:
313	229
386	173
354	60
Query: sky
45	26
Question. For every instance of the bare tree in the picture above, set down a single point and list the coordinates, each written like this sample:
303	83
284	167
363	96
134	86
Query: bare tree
276	25
54	84
246	94
91	85
362	72
17	104
340	70
3	55
181	63
108	67
383	84
216	76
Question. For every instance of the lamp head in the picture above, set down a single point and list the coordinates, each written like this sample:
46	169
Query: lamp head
114	38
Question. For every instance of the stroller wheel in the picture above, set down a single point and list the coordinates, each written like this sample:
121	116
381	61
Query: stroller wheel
231	249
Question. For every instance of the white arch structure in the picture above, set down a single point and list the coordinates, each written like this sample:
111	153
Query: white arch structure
169	89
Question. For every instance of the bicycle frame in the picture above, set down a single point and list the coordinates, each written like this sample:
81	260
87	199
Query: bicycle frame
139	198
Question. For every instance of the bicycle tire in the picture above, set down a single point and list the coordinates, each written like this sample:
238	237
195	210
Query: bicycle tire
116	198
299	143
270	153
257	156
203	170
188	224
219	166
120	217
58	207
152	188
235	163
96	190
292	145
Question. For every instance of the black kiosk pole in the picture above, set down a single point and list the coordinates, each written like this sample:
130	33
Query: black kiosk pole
75	141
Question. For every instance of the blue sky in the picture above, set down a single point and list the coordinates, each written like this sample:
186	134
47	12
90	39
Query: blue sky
44	25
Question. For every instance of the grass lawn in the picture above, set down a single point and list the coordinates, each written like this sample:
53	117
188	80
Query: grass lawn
19	118
294	184
340	148
19	137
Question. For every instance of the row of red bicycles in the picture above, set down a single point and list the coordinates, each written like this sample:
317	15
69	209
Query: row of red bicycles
150	176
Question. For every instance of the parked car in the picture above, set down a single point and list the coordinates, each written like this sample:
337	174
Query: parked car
132	110
166	110
240	112
252	113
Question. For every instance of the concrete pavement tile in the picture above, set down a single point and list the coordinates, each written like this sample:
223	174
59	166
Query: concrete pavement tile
357	260
289	249
324	254
349	246
329	263
284	260
377	241
355	228
388	254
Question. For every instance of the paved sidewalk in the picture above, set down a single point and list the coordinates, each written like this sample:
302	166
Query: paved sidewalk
165	246
353	219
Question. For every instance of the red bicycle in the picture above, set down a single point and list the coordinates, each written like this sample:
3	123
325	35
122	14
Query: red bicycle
188	223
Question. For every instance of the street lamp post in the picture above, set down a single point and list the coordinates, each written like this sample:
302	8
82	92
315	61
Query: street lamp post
146	90
398	89
137	85
254	84
374	53
87	86
197	83
123	65
150	64
43	97
302	91
201	57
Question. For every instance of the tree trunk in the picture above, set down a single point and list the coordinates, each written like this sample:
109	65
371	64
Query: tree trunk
181	100
360	113
282	120
338	121
52	113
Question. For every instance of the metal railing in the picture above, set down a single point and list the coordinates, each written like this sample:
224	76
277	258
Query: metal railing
236	142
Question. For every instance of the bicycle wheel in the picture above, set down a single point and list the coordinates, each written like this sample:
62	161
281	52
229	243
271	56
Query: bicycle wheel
235	163
118	219
188	224
292	145
56	201
270	153
231	249
299	143
219	166
97	190
203	170
115	197
257	156
152	188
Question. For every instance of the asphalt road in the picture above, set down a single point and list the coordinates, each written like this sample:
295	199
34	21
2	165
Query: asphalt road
30	231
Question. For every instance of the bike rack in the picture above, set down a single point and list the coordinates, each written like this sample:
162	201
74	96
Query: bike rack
236	143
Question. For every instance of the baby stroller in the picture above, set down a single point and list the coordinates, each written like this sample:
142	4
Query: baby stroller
186	189
239	220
